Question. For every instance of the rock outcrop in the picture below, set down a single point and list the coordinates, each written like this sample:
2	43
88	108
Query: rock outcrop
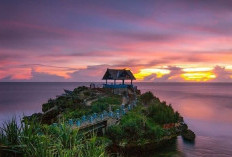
188	135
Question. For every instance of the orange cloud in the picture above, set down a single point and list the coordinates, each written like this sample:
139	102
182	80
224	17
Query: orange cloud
24	73
16	73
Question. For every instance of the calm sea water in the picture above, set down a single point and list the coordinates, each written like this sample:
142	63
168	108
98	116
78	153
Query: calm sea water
207	109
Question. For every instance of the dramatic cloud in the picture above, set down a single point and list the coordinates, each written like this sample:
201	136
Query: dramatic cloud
77	41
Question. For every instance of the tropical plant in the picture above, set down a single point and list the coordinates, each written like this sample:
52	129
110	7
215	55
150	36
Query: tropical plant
35	140
9	132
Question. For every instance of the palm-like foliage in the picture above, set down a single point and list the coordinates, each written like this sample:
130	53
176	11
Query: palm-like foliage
10	132
35	140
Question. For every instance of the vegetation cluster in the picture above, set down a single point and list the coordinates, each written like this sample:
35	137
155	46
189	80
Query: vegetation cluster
144	123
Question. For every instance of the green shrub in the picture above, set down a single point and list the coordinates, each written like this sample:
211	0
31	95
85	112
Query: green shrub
147	97
73	114
153	131
103	104
143	124
132	125
162	114
99	107
115	133
130	129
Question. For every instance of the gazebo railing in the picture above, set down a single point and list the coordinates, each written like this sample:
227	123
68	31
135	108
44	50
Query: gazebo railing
117	85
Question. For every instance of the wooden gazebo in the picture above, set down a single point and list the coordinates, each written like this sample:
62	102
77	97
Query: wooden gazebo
118	74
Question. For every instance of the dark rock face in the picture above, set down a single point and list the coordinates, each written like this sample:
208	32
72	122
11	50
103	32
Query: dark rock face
50	116
188	135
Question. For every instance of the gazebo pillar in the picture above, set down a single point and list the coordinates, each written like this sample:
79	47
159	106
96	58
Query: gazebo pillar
106	81
131	81
114	82
123	81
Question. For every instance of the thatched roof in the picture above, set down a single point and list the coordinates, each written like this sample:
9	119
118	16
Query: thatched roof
118	74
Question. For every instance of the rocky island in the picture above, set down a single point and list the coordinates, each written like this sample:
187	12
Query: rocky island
146	125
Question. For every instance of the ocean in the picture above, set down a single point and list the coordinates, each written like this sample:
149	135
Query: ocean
206	108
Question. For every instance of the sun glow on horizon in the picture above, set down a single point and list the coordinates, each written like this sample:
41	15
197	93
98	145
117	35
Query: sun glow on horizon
198	76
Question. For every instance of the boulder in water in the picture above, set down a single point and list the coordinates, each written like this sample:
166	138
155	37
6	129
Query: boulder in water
188	135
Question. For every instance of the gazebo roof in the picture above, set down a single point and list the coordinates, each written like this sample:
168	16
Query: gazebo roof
118	74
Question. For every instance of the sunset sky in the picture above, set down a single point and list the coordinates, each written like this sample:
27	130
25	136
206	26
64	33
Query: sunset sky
160	41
